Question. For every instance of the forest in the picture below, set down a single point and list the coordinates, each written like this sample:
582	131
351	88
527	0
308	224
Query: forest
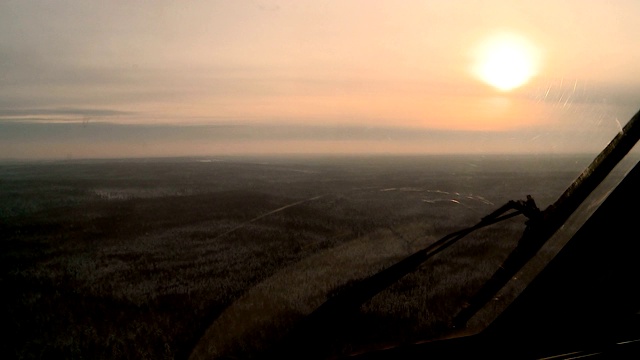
153	258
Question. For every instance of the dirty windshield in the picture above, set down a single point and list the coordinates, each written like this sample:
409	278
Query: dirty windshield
196	179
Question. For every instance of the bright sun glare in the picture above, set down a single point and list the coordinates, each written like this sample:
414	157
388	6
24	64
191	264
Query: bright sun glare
505	61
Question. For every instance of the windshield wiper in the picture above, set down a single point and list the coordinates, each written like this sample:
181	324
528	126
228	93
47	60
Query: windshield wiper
539	228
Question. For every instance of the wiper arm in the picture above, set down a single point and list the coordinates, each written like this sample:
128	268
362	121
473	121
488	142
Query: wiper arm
542	227
315	325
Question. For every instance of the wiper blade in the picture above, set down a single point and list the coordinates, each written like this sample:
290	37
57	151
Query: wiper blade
540	227
538	232
300	342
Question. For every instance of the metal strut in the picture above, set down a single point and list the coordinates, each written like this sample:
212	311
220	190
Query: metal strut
542	225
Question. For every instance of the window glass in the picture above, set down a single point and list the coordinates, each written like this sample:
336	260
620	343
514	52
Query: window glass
195	178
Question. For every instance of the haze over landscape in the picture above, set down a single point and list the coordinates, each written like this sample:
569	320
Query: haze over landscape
166	78
237	165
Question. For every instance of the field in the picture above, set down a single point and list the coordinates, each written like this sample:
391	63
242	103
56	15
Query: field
153	258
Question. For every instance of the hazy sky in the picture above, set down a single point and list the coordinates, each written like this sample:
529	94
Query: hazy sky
139	78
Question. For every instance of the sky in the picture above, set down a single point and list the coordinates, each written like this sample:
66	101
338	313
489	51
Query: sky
85	79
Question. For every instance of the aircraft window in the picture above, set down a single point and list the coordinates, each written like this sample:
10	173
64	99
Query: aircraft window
195	179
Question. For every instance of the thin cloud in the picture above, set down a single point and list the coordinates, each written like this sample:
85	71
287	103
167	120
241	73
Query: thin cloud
226	133
76	112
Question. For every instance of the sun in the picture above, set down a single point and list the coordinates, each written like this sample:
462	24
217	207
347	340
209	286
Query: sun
505	61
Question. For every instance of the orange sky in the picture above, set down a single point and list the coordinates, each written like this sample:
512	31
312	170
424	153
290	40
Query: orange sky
361	63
